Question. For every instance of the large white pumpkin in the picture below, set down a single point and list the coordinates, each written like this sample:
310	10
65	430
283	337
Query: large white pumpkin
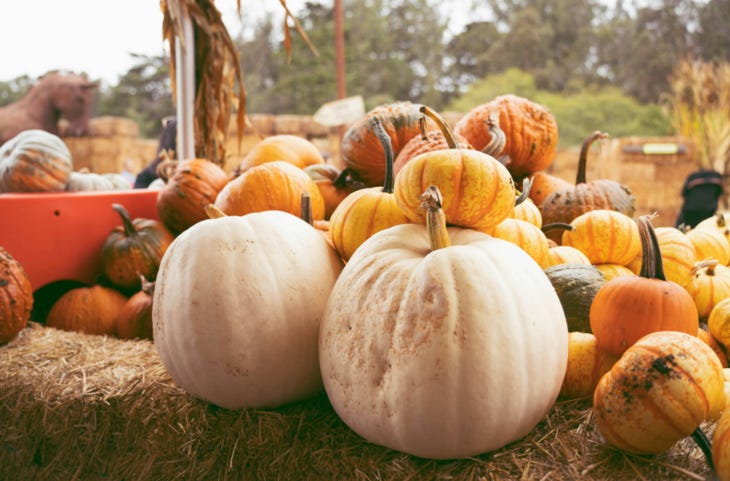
237	306
445	353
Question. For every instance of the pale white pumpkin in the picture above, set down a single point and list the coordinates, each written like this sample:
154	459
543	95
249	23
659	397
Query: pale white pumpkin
237	306
445	353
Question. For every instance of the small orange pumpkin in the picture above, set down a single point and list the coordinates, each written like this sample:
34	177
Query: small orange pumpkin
629	307
289	148
91	310
334	184
16	297
135	318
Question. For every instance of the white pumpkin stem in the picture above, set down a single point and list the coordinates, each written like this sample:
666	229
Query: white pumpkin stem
435	218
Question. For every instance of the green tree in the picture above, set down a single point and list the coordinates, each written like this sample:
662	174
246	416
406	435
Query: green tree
14	89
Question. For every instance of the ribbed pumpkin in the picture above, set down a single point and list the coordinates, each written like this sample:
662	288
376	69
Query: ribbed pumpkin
678	255
429	344
34	161
334	184
658	392
721	447
85	181
604	236
190	186
710	340
587	363
16	297
566	204
367	211
275	185
566	255
525	209
477	190
544	184
237	308
709	285
611	271
362	151
530	129
629	307
133	249
90	309
710	244
289	148
719	222
718	322
576	286
526	236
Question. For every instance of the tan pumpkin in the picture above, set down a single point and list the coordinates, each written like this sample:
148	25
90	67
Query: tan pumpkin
604	236
420	311
237	307
627	308
566	204
34	161
190	185
275	185
587	363
658	392
611	271
16	297
288	148
477	190
91	310
530	129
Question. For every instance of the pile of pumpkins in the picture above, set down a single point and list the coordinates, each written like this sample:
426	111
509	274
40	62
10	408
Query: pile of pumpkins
443	288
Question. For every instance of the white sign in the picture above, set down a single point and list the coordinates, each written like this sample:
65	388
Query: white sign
340	112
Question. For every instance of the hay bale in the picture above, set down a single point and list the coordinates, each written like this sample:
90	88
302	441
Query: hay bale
110	126
76	406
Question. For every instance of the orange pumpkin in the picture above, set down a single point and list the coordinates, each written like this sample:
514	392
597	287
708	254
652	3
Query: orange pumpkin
476	189
627	308
190	186
710	244
526	236
604	236
34	161
91	310
16	297
275	185
135	318
544	184
566	255
334	184
710	340
709	285
367	211
361	149
566	204
293	149
530	129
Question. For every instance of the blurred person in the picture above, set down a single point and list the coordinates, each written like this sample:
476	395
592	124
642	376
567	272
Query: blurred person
166	149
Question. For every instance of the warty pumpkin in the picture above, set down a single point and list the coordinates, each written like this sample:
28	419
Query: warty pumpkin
627	308
367	211
659	391
16	297
237	307
566	204
530	129
133	249
34	161
428	344
477	190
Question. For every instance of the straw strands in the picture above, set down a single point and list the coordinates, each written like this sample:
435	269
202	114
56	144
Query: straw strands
77	406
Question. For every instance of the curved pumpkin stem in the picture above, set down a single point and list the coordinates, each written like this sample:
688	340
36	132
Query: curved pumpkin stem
652	266
213	212
580	178
497	137
525	194
445	129
385	141
435	218
306	206
700	439
556	226
148	287
707	264
129	229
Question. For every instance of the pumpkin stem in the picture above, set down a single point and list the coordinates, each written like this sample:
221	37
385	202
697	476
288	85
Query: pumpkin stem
306	208
445	129
435	218
720	219
557	225
422	126
580	178
708	265
525	194
385	141
148	287
129	229
213	212
497	137
701	440
652	266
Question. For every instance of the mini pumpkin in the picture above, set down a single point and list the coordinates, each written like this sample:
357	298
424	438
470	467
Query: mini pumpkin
16	297
659	391
627	308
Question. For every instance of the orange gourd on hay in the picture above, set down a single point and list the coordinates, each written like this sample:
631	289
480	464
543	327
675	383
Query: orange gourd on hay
91	310
16	297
